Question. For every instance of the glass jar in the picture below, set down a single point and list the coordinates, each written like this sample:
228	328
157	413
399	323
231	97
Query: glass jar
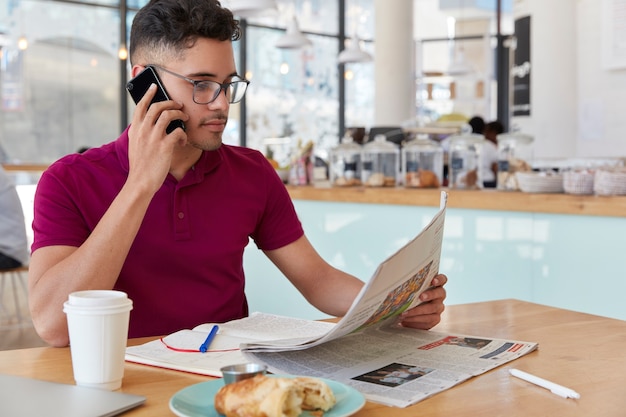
345	163
514	155
464	161
381	163
422	163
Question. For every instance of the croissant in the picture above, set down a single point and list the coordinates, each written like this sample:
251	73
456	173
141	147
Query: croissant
263	396
260	397
317	395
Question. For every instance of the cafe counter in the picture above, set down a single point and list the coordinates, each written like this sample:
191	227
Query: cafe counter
556	249
488	199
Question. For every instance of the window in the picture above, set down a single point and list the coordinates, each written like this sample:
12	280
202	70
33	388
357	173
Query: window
64	90
294	93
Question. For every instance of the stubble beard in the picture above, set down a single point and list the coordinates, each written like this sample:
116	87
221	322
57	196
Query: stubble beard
211	142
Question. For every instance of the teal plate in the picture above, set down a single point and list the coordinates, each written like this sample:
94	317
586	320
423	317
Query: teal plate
197	400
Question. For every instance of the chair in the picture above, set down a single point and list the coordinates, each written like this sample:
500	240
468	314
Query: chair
15	299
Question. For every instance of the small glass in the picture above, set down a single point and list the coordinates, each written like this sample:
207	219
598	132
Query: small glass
514	155
345	163
465	163
381	163
422	165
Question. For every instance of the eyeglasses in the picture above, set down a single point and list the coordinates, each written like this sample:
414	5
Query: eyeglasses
205	92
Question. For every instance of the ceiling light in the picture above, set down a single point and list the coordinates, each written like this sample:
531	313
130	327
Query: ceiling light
354	53
122	53
22	43
293	38
459	65
249	8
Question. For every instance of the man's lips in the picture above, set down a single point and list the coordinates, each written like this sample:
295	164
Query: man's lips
215	125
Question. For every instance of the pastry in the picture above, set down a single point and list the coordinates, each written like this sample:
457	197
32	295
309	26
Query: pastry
423	178
264	396
317	395
260	396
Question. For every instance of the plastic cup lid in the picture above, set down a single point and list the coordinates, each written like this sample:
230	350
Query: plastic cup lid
98	298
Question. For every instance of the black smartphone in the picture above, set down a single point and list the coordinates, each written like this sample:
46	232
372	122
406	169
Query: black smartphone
138	86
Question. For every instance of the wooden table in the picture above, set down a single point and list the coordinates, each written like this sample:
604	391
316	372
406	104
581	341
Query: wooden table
581	351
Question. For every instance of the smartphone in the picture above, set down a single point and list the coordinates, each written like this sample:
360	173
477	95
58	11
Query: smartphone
138	86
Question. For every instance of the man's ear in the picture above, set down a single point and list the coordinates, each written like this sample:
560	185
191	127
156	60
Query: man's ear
136	69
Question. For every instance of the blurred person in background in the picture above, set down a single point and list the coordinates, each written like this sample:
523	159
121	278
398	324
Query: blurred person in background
13	241
478	124
490	153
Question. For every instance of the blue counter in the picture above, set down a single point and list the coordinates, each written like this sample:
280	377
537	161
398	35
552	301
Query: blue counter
570	261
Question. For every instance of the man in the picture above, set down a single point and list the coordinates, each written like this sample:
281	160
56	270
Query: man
477	124
490	153
13	240
166	217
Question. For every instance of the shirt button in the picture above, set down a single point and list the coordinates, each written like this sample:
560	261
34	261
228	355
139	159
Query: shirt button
181	215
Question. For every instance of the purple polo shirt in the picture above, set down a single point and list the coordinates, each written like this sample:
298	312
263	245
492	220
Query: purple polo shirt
185	266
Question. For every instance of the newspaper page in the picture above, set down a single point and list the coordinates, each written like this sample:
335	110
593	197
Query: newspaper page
397	366
180	350
394	288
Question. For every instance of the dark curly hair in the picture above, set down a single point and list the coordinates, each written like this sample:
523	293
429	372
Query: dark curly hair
165	29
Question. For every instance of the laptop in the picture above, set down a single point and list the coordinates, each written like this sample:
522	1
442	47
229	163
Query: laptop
31	397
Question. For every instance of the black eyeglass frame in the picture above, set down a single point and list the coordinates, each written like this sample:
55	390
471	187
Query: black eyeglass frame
222	86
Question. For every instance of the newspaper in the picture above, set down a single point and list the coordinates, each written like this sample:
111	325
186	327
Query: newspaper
370	351
394	288
397	366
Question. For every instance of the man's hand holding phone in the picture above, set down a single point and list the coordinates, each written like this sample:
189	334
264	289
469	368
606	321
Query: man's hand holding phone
138	86
150	148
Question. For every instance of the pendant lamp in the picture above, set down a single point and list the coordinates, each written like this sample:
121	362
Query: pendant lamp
354	53
293	38
459	65
249	8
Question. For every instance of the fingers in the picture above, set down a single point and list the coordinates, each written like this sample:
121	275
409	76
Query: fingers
157	116
439	280
423	322
428	313
436	291
144	103
424	316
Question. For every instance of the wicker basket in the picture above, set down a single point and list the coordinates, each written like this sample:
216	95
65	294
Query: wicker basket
578	182
540	182
610	182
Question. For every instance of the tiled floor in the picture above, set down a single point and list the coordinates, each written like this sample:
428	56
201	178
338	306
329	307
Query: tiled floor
16	330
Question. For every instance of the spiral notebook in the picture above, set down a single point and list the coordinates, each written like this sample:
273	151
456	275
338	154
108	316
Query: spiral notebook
26	397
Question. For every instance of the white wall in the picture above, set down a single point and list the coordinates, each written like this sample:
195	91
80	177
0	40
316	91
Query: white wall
577	102
601	91
553	93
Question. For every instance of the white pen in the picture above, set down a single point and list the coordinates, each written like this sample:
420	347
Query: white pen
557	389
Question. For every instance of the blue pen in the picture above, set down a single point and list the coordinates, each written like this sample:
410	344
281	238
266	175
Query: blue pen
205	346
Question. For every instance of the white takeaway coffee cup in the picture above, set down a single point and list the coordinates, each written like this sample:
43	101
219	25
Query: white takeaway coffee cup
98	328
